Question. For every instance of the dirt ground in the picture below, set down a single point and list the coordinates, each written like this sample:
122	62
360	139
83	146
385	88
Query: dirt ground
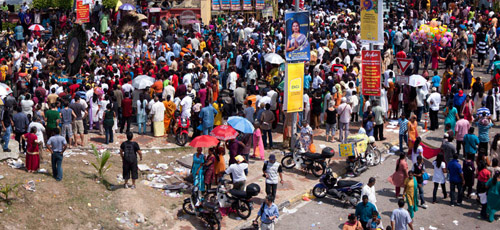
80	202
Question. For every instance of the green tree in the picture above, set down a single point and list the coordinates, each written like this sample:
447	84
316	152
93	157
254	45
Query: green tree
63	4
110	4
43	4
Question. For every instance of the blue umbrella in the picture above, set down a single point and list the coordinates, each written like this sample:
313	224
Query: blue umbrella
127	6
241	124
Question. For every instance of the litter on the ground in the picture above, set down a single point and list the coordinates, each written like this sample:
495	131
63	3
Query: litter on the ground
289	211
17	164
1	177
143	167
30	186
42	170
162	166
320	202
455	222
432	227
157	151
86	162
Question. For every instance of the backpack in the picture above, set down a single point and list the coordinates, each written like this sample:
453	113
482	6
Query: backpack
129	152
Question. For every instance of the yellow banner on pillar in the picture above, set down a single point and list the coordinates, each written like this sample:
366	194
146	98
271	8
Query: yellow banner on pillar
372	21
294	87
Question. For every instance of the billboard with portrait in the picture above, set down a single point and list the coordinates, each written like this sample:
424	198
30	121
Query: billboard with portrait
297	46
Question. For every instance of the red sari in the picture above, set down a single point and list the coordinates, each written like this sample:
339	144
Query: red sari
467	110
33	156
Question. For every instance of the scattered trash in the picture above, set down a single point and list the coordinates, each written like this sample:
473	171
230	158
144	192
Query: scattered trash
1	210
320	202
42	171
394	149
391	126
86	162
1	177
17	164
162	166
143	167
74	152
70	208
422	228
432	228
157	151
30	186
140	218
289	211
119	178
455	222
171	194
322	146
89	204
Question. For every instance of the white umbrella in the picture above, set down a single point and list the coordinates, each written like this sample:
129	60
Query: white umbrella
416	80
345	44
142	81
5	89
274	58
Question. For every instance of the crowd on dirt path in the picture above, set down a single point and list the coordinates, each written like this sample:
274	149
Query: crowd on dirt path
206	73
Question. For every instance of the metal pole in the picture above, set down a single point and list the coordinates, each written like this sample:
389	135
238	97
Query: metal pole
294	114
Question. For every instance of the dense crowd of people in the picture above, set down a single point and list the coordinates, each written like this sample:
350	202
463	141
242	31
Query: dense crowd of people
208	72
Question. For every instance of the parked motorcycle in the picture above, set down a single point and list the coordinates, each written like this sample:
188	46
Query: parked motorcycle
360	162
347	191
205	209
179	127
316	163
236	199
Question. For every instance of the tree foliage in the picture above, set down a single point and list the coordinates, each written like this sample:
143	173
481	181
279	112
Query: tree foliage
109	4
45	4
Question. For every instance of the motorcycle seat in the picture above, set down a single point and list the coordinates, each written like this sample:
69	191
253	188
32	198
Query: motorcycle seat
346	183
313	155
210	205
238	193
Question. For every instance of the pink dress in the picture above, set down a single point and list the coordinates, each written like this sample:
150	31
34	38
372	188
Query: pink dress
258	145
398	177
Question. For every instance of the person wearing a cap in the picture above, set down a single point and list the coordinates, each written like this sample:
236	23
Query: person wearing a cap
434	100
272	170
238	174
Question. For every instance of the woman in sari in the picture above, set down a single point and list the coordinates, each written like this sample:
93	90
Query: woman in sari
410	193
258	145
412	132
197	170
467	108
296	41
32	156
399	176
493	198
210	168
220	164
451	116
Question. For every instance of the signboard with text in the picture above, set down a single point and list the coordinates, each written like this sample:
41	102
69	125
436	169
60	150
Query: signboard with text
372	21
294	87
215	4
259	4
235	5
400	79
297	46
82	12
247	4
371	72
346	150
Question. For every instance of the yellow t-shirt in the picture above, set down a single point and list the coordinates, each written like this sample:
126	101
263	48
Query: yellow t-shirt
3	71
218	116
203	45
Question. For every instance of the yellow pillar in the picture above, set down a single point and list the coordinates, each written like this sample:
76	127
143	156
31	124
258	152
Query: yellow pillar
206	11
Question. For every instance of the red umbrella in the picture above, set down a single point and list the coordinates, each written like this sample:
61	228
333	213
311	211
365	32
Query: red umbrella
224	132
204	141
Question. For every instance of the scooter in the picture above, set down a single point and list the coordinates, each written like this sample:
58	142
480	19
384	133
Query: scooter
236	199
205	209
347	191
361	161
180	128
308	161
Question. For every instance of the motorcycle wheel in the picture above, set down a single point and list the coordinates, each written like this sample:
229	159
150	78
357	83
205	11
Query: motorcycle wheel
244	210
319	192
288	162
318	169
377	157
188	208
214	223
181	139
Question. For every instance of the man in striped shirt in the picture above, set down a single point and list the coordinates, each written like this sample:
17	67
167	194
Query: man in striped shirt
483	111
403	131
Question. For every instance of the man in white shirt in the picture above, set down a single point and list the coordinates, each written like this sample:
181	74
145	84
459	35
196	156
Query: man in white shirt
434	100
344	111
158	112
168	90
307	109
186	104
231	81
127	87
317	81
369	190
251	74
238	173
420	102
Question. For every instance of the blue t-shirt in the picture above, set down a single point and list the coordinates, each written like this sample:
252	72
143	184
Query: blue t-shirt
455	170
307	81
435	81
470	141
369	128
483	132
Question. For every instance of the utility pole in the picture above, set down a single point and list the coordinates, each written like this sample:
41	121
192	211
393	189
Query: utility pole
294	114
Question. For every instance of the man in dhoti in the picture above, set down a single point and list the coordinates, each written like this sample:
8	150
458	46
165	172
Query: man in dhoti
158	113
